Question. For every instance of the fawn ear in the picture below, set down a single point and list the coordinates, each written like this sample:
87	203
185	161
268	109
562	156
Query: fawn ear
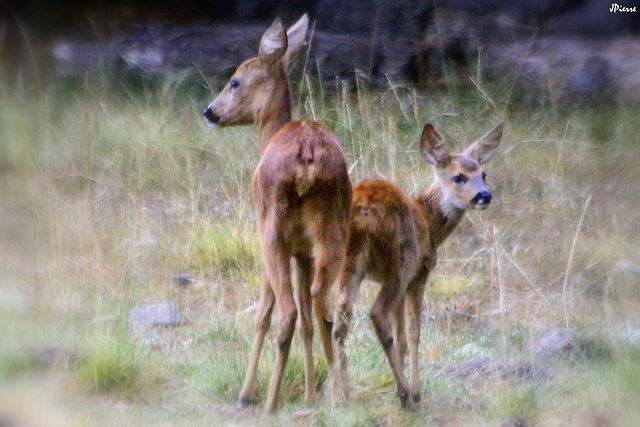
295	38
273	44
483	149
432	146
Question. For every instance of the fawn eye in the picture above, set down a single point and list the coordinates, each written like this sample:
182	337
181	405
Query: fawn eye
460	179
234	84
484	176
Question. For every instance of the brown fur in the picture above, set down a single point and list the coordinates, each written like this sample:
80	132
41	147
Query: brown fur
394	240
302	195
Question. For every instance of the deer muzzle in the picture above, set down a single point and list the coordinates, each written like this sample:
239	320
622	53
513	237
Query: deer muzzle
211	117
482	199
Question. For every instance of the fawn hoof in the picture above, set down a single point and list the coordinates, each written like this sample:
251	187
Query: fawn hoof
244	402
406	401
416	397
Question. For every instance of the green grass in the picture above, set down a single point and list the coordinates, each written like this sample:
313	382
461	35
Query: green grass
111	362
109	191
225	247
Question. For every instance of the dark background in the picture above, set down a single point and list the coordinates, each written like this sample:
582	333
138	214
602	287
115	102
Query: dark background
406	40
586	18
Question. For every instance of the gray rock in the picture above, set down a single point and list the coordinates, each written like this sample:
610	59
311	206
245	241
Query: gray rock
554	343
515	421
182	280
160	314
628	266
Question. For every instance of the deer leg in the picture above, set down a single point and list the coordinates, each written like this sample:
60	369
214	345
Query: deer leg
325	272
262	322
305	324
399	333
413	302
382	313
349	281
329	252
400	336
276	262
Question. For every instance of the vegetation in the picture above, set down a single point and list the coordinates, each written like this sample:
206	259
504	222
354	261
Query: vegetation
109	191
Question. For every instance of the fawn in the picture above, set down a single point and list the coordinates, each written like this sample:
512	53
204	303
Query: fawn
302	196
394	240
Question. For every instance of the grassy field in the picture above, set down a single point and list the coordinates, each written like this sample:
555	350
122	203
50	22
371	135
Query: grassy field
109	190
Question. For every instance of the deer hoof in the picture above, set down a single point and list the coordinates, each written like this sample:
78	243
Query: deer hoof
406	401
243	403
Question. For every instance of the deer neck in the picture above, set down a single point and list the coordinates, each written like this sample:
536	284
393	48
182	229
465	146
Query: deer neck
442	217
276	111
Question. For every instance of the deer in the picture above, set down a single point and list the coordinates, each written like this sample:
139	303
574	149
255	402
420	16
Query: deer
302	197
394	240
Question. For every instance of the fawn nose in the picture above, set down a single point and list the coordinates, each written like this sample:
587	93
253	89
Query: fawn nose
211	116
483	198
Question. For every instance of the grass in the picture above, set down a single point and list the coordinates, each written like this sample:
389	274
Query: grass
109	191
111	362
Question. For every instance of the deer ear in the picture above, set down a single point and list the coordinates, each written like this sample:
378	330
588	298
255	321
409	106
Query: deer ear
483	149
432	146
295	38
273	44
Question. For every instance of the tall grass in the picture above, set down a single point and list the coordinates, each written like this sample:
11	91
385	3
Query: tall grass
108	191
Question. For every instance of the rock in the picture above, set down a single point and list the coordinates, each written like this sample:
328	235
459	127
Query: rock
182	280
628	266
160	314
554	343
515	421
470	350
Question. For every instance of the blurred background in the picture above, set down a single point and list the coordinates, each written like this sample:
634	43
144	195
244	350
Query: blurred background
578	46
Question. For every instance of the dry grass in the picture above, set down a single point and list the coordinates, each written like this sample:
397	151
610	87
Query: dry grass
108	192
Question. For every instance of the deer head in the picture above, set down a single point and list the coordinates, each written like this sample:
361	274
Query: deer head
460	177
259	89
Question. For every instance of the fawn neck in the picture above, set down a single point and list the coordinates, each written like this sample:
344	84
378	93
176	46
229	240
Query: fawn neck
275	111
442	220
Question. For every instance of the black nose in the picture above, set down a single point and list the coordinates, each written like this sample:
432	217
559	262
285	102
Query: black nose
483	197
211	116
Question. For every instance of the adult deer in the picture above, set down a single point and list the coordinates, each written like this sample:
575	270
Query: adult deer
302	195
393	240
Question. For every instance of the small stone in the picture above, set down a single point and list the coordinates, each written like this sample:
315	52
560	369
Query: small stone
628	266
515	421
160	314
182	280
470	350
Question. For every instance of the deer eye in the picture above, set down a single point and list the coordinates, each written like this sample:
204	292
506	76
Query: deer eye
460	179
234	84
484	176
